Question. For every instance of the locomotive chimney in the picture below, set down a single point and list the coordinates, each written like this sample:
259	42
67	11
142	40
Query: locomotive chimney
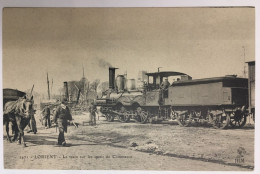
112	77
66	90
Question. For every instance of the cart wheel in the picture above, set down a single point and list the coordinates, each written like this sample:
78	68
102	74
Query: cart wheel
184	120
237	119
220	121
109	117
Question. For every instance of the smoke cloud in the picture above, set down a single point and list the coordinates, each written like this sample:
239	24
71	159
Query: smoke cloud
103	63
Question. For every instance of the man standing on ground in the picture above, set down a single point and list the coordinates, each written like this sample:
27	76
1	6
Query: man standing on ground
61	117
92	111
46	116
32	125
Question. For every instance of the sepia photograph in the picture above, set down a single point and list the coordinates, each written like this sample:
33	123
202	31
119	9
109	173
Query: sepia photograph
139	89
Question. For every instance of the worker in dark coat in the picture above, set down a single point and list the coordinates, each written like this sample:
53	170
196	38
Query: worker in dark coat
46	116
32	125
163	91
165	84
61	117
92	111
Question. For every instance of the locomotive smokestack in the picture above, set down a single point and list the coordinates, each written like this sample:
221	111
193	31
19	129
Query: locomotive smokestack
112	77
66	90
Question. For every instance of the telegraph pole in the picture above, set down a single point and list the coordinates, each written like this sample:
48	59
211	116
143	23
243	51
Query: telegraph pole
48	87
51	86
83	71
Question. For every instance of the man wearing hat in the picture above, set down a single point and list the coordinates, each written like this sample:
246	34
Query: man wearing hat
61	117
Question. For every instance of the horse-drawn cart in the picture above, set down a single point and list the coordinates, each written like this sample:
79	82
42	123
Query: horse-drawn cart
18	110
11	95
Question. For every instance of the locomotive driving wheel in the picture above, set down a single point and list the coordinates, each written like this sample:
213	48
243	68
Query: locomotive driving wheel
124	116
220	121
109	117
184	119
237	119
142	115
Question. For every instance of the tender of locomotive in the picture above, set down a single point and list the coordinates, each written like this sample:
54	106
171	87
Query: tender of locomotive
220	101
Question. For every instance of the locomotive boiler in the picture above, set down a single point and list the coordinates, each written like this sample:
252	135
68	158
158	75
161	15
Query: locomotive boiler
220	101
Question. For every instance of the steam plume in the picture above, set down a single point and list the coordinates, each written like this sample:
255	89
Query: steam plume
103	64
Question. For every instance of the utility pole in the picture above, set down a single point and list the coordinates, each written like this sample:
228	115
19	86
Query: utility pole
48	87
51	86
159	69
83	72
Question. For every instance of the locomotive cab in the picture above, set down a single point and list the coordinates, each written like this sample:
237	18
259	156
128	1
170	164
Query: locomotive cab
155	79
155	93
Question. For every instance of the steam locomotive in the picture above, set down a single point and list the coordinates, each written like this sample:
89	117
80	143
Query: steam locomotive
219	101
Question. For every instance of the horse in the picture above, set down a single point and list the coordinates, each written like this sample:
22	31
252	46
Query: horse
19	113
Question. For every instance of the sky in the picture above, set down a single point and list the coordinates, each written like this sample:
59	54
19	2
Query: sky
201	42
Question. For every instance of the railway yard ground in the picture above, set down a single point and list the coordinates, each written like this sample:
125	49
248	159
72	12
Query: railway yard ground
134	146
